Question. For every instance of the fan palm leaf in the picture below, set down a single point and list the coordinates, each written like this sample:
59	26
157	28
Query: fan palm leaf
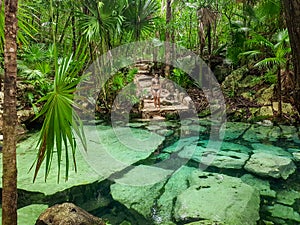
103	20
26	29
61	122
139	17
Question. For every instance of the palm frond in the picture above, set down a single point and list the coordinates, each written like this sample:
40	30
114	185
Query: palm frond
268	62
61	122
139	17
251	54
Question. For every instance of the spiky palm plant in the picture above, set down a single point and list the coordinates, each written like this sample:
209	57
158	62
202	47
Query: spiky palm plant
276	59
101	21
139	17
61	122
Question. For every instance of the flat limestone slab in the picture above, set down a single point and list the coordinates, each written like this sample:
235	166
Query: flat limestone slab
218	198
268	165
109	151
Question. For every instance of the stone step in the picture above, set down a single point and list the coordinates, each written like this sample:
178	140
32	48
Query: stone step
149	107
143	71
142	66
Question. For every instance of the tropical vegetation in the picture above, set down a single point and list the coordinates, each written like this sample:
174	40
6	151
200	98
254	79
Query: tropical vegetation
57	40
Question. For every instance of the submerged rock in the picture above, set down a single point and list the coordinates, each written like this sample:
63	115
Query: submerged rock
258	133
270	149
108	153
175	185
288	197
268	165
234	130
296	156
284	212
217	197
223	159
67	213
263	186
139	188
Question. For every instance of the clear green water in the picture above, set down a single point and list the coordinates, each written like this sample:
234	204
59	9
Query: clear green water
278	140
279	205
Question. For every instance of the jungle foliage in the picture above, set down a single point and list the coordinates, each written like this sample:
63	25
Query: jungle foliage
57	40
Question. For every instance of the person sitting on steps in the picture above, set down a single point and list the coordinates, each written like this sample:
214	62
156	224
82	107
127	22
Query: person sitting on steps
155	89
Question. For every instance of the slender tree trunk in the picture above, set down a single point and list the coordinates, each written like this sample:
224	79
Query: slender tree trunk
65	28
74	45
9	162
168	37
209	45
0	62
279	94
292	16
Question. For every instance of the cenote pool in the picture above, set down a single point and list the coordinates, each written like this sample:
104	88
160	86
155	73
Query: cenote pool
173	172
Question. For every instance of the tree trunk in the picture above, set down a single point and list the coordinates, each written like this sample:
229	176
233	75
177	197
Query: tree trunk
73	31
9	179
279	93
0	62
292	16
168	37
209	39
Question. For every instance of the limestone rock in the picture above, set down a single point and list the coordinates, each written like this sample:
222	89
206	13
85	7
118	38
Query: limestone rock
67	214
284	212
205	222
263	186
139	188
227	160
266	95
287	108
288	197
232	82
257	133
270	149
296	156
25	115
234	130
218	197
175	185
268	165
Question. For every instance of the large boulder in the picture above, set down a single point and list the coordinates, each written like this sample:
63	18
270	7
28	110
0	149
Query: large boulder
268	165
67	214
218	198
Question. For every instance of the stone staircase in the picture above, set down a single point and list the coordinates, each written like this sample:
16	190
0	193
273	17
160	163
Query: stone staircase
172	100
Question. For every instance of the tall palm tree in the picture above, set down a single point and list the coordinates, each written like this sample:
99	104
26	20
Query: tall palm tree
9	161
99	22
277	57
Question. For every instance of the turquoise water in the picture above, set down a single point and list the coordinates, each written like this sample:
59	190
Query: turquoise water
279	198
157	185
